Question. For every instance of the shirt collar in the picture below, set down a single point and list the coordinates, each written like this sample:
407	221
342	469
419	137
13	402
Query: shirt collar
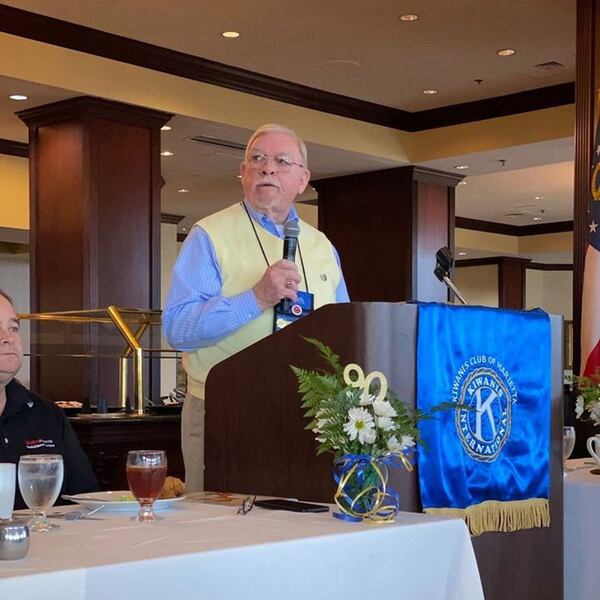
17	398
267	224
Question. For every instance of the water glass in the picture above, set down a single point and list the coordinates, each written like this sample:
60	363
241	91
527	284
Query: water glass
40	480
568	442
8	478
146	472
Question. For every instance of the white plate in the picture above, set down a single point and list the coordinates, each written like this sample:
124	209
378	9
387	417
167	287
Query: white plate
117	501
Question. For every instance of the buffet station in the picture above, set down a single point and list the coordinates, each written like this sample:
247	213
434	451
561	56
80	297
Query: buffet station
102	366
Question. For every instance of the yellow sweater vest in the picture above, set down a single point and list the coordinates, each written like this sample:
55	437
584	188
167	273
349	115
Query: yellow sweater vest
242	264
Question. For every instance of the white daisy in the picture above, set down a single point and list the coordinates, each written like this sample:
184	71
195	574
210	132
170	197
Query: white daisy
383	408
370	435
384	423
594	410
392	444
406	442
360	424
366	399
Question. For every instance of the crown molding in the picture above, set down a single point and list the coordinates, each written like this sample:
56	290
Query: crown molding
516	230
500	106
496	260
171	219
550	266
13	148
90	106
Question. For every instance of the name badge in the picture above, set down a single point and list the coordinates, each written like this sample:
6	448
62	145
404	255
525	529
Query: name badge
302	307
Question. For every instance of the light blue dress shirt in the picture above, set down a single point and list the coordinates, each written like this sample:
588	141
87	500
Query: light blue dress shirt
196	313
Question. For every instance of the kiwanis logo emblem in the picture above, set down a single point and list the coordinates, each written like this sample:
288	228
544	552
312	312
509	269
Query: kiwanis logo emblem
484	386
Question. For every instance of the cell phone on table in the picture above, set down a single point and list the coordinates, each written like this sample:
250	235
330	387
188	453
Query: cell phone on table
293	505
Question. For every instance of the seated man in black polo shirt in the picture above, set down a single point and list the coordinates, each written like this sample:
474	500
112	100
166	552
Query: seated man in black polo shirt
29	424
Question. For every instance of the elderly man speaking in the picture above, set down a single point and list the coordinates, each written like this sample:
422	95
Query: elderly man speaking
230	275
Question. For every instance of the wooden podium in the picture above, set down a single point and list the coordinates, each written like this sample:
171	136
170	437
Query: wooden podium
256	441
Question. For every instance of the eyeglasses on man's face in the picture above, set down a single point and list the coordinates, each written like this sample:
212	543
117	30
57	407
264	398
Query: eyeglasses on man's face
283	163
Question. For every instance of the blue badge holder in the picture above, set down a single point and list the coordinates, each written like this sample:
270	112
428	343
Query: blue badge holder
297	310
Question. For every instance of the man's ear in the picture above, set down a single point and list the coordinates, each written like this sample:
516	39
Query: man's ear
304	181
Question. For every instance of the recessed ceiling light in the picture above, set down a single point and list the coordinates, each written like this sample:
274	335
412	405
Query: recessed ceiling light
429	92
166	153
462	253
537	218
166	128
184	229
341	62
239	176
18	97
230	34
505	52
538	197
183	190
463	182
461	167
408	18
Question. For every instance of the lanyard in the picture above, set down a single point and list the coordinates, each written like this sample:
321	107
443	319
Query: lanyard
263	250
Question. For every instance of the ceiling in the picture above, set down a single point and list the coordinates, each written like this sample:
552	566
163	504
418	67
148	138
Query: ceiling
356	48
319	44
534	179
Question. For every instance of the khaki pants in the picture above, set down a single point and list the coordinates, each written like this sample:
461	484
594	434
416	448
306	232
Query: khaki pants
192	442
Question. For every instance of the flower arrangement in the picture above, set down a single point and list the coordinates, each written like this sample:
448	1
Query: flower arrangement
587	407
367	428
354	414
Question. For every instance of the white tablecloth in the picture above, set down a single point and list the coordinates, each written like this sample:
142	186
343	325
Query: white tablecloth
581	531
206	551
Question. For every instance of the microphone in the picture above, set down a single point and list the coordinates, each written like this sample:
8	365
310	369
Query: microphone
291	231
443	263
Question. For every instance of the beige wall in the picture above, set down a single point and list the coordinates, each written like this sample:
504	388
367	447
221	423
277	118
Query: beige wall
308	213
478	284
14	280
548	243
550	290
510	245
14	192
169	249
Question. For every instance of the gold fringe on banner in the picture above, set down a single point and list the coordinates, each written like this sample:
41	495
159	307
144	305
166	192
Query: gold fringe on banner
493	515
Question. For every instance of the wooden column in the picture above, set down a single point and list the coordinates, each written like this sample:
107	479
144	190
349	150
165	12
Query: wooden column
387	226
95	227
586	115
511	282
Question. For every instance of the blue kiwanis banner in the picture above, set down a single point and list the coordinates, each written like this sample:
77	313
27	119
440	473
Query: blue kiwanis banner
489	460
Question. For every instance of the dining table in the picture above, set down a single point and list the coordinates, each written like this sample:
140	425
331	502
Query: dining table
581	529
207	550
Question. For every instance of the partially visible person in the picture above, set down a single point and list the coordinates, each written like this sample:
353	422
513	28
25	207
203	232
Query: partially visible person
30	424
229	274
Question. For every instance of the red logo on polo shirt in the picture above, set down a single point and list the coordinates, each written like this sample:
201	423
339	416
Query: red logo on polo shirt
39	443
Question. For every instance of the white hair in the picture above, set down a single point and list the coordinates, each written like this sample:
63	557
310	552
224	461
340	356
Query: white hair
274	128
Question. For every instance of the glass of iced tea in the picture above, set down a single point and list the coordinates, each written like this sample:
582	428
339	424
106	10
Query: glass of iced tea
146	472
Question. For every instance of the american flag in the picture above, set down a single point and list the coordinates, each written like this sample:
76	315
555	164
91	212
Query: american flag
590	312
